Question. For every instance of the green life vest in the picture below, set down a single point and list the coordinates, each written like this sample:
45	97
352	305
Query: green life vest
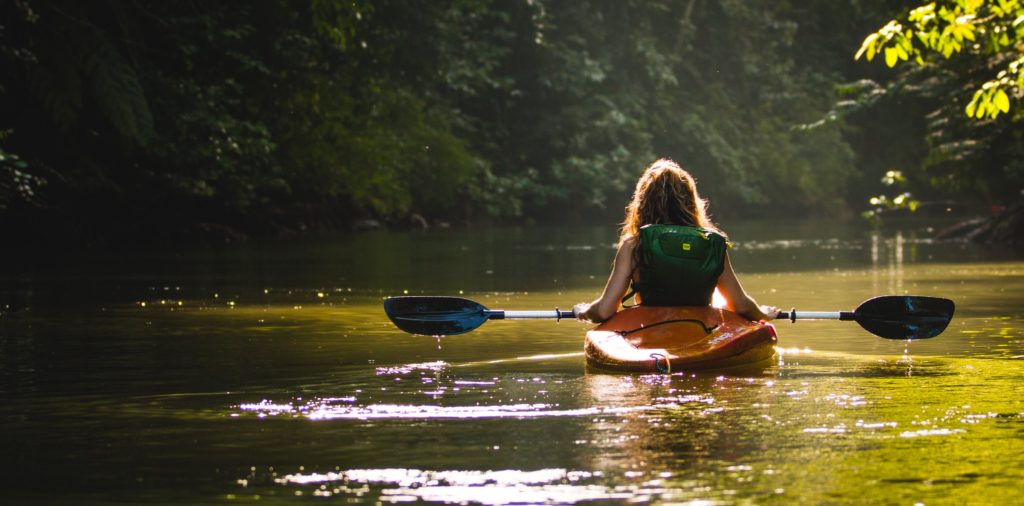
679	266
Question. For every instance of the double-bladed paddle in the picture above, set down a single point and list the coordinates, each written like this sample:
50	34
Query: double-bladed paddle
890	316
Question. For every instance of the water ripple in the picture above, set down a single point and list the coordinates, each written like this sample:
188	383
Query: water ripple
328	410
543	486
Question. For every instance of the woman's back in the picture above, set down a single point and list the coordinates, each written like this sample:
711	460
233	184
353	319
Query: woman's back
670	250
678	265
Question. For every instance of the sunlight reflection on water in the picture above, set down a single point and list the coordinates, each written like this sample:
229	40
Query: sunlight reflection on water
544	486
326	410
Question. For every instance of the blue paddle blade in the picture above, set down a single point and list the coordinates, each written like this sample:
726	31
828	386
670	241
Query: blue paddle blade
905	317
435	316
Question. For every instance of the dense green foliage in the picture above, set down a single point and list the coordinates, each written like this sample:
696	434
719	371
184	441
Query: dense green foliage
969	56
990	30
276	116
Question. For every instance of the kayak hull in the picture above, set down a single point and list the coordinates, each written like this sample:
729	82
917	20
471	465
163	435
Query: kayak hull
667	339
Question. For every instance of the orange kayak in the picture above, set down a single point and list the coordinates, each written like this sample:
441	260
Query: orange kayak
667	339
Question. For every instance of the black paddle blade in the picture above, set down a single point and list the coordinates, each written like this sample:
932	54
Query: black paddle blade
435	316
905	317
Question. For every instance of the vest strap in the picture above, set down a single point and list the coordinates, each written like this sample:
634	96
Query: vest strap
629	295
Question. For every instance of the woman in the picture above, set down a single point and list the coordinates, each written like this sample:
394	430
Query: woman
670	252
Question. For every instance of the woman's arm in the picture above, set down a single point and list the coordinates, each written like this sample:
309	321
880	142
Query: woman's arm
618	282
737	299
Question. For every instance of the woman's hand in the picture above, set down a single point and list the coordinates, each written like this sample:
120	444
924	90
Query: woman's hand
580	311
770	312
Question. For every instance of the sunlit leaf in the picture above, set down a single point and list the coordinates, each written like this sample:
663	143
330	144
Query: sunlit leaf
973	106
868	45
890	57
922	12
907	42
1001	101
954	31
967	31
892	177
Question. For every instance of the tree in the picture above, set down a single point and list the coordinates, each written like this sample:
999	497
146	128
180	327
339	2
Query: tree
967	77
991	31
966	48
287	114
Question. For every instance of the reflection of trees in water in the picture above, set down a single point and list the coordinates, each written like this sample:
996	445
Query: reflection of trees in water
887	262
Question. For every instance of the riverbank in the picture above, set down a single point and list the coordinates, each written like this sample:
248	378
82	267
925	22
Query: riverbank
1003	226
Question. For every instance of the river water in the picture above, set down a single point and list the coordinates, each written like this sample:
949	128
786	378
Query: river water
269	373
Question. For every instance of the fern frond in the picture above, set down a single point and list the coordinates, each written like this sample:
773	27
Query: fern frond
118	92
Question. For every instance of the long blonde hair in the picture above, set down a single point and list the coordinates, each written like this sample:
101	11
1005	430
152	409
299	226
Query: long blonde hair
665	194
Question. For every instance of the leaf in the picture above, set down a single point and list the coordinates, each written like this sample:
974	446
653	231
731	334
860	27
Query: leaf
908	41
924	38
967	30
947	51
890	57
868	45
922	12
1001	101
972	107
953	30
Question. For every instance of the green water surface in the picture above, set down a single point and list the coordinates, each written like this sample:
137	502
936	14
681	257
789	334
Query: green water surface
269	373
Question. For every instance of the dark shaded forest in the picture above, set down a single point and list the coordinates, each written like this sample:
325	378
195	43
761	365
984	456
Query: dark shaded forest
130	120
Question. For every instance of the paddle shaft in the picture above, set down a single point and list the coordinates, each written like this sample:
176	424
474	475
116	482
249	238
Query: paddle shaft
794	315
499	314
